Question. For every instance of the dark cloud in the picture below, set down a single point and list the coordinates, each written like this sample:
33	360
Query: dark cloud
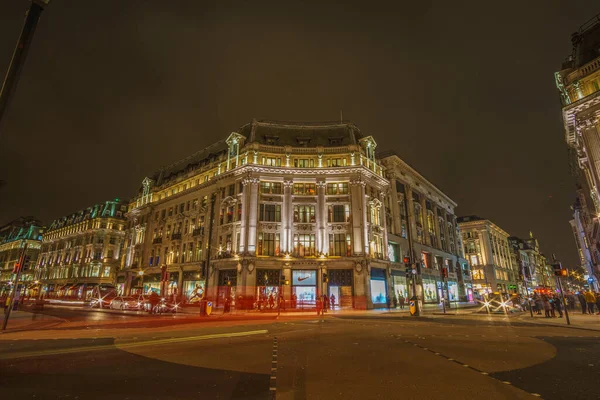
463	92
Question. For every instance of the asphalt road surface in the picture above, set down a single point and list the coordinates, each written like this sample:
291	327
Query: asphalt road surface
331	358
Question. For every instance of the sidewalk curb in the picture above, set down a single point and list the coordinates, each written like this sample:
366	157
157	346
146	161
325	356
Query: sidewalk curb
558	326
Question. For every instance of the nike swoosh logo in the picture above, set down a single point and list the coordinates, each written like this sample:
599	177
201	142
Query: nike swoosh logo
303	278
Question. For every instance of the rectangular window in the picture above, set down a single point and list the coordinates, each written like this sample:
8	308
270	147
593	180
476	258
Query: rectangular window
271	161
340	244
336	162
304	245
270	212
337	188
339	213
268	244
304	163
270	187
231	190
304	213
304	189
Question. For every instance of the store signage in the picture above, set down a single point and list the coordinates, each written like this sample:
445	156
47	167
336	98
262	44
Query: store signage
304	278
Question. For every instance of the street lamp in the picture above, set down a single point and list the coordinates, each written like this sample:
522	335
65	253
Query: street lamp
141	275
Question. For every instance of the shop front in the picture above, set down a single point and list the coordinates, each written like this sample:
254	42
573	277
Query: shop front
227	285
452	290
121	285
171	287
267	287
430	290
151	283
399	283
304	287
193	287
340	286
378	288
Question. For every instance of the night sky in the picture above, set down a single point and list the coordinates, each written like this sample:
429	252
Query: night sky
463	91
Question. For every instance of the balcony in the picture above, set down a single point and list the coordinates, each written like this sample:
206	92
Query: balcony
176	236
157	240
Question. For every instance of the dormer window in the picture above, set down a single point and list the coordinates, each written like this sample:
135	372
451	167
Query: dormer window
336	141
303	141
271	140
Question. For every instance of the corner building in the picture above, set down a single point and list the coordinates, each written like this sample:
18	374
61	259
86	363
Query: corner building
13	238
82	250
297	208
578	83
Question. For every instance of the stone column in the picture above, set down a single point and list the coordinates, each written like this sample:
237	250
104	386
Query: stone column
321	217
384	226
357	196
411	217
591	138
436	228
242	247
252	216
395	211
287	213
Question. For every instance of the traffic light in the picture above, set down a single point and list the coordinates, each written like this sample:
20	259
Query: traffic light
564	272
325	278
406	261
445	272
26	262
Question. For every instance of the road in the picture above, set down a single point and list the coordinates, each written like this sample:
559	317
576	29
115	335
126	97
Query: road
347	357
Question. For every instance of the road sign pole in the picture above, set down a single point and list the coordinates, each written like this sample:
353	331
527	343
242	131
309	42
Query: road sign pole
562	299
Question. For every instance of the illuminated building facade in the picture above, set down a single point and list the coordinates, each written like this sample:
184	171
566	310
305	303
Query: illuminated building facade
487	249
532	268
422	225
82	250
296	208
579	85
13	237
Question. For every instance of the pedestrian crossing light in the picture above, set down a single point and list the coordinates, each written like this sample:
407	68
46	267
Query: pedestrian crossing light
325	278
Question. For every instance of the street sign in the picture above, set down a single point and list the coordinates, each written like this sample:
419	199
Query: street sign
414	271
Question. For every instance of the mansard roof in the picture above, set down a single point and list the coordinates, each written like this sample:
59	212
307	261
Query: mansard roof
303	134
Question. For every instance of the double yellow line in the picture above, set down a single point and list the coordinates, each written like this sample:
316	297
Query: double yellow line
124	346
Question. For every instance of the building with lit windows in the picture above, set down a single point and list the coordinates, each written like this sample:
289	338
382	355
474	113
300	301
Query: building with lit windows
422	226
578	82
14	236
487	248
82	250
290	208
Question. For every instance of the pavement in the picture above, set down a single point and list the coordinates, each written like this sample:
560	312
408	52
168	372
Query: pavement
358	355
577	320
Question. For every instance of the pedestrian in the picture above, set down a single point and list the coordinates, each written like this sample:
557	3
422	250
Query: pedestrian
325	301
598	302
581	299
539	305
332	301
294	300
590	299
547	307
558	306
271	301
401	301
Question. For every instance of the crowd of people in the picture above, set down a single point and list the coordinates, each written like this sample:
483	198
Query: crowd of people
551	306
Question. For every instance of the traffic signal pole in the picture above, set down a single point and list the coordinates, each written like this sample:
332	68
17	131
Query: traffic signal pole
18	59
15	286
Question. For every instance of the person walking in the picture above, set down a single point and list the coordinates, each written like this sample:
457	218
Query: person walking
547	307
539	305
590	299
558	306
401	301
581	299
332	301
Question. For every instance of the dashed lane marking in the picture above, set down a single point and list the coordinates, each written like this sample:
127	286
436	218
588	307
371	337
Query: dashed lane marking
273	380
465	365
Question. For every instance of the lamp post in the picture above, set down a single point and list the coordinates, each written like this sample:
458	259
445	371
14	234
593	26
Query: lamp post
141	275
18	59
